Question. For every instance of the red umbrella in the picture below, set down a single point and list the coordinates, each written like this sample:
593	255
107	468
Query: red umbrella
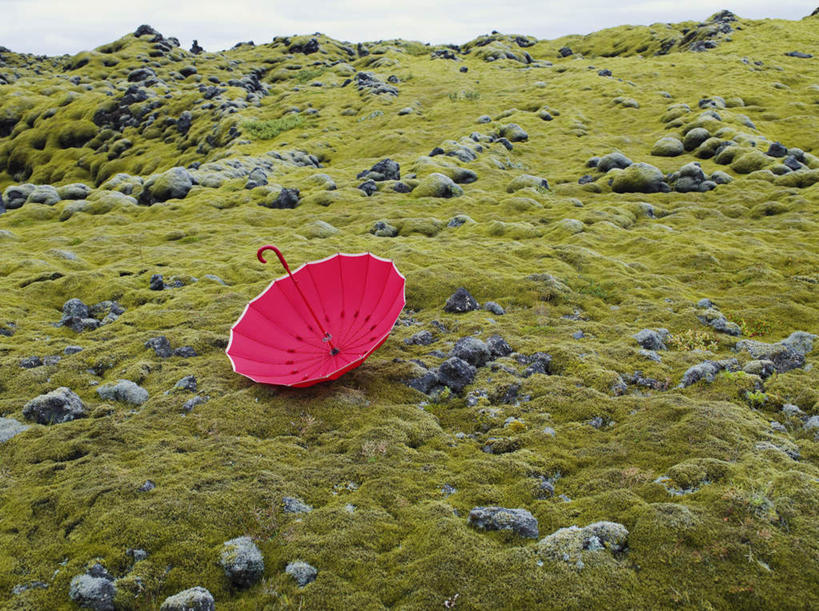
319	322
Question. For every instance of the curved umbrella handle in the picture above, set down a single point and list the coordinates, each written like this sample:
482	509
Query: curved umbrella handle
260	256
325	337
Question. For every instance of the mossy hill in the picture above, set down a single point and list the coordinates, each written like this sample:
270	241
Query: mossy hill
592	186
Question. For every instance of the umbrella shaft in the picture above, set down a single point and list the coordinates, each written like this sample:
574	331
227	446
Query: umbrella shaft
325	335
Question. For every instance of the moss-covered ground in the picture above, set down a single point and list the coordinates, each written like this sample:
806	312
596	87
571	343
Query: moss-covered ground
745	538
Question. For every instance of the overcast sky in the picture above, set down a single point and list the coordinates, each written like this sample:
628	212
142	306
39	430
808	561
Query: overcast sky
55	27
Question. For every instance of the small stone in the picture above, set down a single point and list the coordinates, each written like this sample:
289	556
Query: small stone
652	339
383	229
193	599
484	119
667	147
292	504
578	335
31	585
160	345
569	544
215	278
136	554
456	373
44	194
695	137
193	402
30	362
539	362
58	406
92	592
717	321
369	187
498	346
472	350
422	338
610	161
549	431
171	184
256	178
597	422
425	383
491	306
778	427
9	427
777	150
546	489
513	132
525	181
448	490
789	409
650	355
187	383
123	390
519	521
97	570
762	368
707	371
461	301
185	352
75	308
640	178
458	220
157	283
242	562
386	169
302	572
437	185
147	486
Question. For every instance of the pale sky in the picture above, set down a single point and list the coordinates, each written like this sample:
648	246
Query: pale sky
55	27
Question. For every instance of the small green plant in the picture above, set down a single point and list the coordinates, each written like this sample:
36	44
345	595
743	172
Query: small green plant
469	96
270	128
751	327
692	339
756	398
594	288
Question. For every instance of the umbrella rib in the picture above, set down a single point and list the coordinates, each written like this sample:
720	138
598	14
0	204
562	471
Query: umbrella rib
315	286
317	367
386	313
349	329
341	285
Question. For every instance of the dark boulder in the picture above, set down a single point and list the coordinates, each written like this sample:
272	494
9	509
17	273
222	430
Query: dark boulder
456	373
461	301
386	169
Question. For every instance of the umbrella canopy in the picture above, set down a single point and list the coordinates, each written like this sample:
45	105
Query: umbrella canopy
319	322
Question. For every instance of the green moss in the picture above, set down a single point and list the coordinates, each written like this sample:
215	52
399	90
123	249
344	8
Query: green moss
270	128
